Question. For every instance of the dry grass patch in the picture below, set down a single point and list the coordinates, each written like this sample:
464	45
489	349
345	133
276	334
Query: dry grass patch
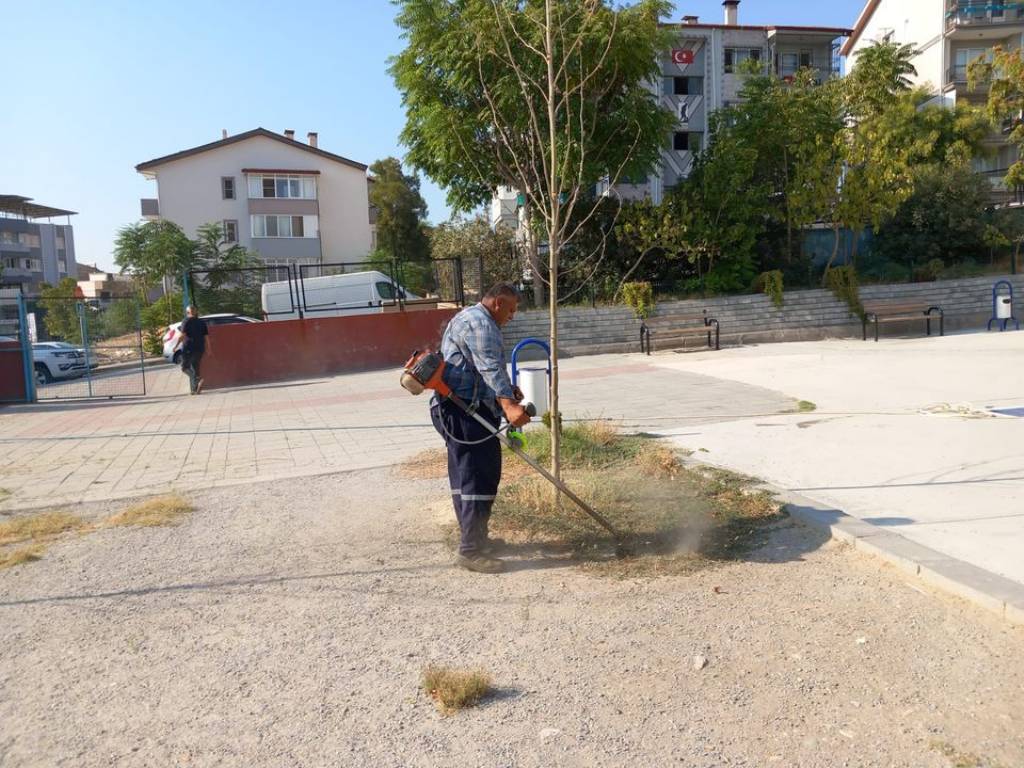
678	519
453	689
21	555
162	510
43	526
431	464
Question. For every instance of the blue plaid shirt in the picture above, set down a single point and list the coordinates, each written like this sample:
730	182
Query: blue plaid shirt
475	355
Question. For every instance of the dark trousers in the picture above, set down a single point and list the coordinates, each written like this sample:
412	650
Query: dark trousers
190	364
474	471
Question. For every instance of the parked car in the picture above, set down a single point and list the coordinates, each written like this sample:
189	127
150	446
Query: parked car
55	360
173	331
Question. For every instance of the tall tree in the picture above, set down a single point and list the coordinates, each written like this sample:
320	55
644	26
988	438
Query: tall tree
154	252
882	70
546	96
62	308
401	211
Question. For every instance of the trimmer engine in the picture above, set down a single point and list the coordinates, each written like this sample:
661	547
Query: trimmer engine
424	371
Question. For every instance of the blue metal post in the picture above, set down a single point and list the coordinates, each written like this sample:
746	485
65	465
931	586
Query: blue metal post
525	343
80	308
26	351
996	296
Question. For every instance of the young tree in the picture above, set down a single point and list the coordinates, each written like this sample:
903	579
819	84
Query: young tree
883	69
546	96
401	211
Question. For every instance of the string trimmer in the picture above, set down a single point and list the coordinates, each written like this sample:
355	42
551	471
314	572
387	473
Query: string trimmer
424	371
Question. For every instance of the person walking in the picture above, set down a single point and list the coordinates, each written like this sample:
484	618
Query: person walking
475	370
194	344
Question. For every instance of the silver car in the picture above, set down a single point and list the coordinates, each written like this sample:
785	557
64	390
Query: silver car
173	332
54	360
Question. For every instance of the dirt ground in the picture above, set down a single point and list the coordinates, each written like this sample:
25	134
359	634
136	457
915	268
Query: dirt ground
288	624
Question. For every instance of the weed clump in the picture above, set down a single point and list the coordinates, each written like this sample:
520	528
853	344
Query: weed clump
21	555
42	526
453	689
163	510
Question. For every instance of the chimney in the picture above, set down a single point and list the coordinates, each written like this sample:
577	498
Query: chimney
223	133
289	134
732	12
312	138
690	19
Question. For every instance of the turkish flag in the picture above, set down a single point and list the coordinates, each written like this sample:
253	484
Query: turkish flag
682	56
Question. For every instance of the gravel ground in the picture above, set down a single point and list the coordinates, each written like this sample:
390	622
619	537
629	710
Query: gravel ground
287	624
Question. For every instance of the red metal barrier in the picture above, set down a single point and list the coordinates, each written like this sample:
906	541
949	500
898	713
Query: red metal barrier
249	353
12	372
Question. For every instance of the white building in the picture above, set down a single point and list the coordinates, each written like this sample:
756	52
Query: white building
289	201
700	73
947	35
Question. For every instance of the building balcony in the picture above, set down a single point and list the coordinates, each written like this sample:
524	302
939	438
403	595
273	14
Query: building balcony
985	16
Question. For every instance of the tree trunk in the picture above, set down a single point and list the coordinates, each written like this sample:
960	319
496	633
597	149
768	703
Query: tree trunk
835	251
532	257
853	248
553	246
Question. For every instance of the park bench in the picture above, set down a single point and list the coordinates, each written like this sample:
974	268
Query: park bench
895	311
669	329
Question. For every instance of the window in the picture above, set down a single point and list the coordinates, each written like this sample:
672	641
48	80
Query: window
278	226
227	187
734	57
298	187
230	231
681	141
687	86
32	241
8	237
806	59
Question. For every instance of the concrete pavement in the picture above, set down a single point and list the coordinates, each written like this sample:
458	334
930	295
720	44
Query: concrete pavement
66	452
903	437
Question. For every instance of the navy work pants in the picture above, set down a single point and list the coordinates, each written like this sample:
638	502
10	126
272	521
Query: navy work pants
474	471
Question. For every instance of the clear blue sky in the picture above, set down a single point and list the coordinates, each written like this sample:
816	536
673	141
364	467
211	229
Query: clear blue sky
101	86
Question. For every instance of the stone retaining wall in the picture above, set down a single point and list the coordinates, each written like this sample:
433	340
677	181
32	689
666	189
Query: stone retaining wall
805	315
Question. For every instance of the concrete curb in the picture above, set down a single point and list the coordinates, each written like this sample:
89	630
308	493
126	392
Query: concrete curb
956	577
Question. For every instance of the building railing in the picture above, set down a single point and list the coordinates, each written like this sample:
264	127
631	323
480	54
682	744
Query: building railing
979	12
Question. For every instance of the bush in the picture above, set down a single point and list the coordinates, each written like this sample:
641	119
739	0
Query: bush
842	281
639	297
930	271
771	284
162	312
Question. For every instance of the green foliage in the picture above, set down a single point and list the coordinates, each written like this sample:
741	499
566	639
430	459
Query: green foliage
639	297
152	342
883	69
61	319
463	238
1003	73
118	318
546	421
401	211
942	220
771	285
162	312
154	250
470	124
843	282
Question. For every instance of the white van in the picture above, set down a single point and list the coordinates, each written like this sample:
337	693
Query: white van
351	293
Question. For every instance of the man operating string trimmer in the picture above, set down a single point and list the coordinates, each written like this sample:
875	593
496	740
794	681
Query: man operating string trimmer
475	370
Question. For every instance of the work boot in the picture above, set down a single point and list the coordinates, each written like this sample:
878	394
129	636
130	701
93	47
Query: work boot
480	563
490	546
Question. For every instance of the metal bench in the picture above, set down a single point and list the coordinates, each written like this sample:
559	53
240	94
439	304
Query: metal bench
672	327
895	311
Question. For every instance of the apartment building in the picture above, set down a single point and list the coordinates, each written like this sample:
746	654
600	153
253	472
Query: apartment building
947	36
33	251
289	201
701	73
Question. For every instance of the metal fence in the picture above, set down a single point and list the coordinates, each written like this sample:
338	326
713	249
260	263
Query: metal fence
328	289
242	291
85	348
